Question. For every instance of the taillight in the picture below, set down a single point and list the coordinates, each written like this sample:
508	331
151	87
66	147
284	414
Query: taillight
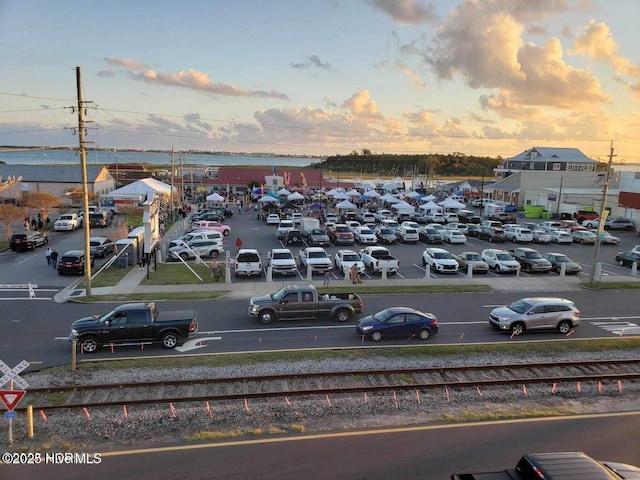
237	267
192	326
260	266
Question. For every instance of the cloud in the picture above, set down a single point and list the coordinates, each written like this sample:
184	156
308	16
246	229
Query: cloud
126	63
485	47
412	75
412	12
596	42
190	79
314	61
106	73
361	105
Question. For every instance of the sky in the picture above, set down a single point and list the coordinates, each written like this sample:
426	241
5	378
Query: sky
324	77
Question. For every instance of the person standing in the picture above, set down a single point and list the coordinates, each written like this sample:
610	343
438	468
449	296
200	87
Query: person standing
47	254
54	258
26	224
327	277
238	244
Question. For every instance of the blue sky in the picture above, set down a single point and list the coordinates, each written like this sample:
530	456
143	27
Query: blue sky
325	77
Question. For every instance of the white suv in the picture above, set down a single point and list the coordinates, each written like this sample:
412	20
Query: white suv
67	221
516	233
440	260
248	263
200	247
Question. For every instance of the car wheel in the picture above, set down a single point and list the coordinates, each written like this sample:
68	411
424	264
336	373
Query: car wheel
621	263
490	239
266	317
424	263
513	239
184	256
564	326
517	328
89	344
582	241
213	254
425	334
343	315
226	233
169	340
497	268
557	241
376	336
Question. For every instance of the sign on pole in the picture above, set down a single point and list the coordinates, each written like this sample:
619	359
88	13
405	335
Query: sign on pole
12	374
11	398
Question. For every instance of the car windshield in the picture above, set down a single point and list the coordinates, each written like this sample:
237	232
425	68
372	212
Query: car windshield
350	257
317	255
503	256
282	255
279	294
562	258
342	229
95	243
65	217
473	257
317	232
365	231
385	231
442	255
520	306
533	255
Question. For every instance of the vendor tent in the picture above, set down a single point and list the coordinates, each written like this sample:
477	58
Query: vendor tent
353	193
283	191
344	205
142	187
387	197
371	194
295	196
215	197
403	207
431	207
269	199
450	203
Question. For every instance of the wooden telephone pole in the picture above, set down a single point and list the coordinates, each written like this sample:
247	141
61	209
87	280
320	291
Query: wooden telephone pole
86	224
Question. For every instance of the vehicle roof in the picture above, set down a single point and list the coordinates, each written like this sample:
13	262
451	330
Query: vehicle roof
569	465
134	306
494	250
73	253
346	251
281	250
537	300
247	250
99	239
437	249
314	249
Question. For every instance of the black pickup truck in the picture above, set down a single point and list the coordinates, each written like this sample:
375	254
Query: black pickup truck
134	323
300	302
557	466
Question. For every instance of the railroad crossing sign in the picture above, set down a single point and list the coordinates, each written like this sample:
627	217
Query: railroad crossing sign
12	374
11	398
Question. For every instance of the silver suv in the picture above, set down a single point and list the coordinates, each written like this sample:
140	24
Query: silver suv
536	313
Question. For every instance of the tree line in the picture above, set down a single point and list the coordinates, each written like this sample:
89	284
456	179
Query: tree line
432	164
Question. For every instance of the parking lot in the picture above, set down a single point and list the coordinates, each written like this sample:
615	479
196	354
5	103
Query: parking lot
257	234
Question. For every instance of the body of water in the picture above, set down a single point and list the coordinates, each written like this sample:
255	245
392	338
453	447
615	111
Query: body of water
107	157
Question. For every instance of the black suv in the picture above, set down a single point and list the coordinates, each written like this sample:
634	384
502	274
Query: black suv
492	234
72	262
27	241
293	237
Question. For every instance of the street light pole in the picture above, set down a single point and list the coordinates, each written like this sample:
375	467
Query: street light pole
601	218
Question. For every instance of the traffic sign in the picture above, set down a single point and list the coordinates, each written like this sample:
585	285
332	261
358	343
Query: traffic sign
10	415
11	398
12	374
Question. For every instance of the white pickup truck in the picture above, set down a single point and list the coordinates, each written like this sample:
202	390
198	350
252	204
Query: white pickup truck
316	258
377	259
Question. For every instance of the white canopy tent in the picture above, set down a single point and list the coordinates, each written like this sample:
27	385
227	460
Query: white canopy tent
387	197
331	192
215	197
451	204
283	191
353	193
412	194
341	196
143	186
345	204
295	196
403	207
371	194
430	207
428	198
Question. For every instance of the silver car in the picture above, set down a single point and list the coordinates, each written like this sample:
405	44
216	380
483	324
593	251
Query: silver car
536	313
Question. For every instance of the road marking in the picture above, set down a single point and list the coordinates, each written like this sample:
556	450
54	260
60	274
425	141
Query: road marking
23	298
195	344
619	328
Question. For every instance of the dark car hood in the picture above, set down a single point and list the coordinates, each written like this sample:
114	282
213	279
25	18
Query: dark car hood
367	321
85	322
261	299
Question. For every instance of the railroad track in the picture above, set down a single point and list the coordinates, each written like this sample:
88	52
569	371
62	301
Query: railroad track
327	383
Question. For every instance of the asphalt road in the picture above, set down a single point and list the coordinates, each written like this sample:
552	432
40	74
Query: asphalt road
36	331
423	452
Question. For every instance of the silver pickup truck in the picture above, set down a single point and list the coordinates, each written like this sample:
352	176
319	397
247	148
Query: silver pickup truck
302	302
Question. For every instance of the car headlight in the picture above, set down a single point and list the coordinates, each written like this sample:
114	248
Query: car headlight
74	333
254	308
366	328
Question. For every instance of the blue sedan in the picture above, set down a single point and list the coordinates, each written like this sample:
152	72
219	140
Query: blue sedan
398	321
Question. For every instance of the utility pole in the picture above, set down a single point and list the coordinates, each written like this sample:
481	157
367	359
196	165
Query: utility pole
171	206
86	224
601	218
